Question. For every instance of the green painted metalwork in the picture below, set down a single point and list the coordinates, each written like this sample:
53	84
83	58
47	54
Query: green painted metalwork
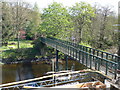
99	61
90	61
86	59
66	64
106	68
79	56
88	56
57	60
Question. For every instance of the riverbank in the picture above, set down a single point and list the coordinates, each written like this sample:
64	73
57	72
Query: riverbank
27	54
25	61
18	71
1	63
48	60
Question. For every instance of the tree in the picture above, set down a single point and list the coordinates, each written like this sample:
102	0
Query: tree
81	14
7	23
56	21
103	35
105	12
22	12
118	29
15	17
33	29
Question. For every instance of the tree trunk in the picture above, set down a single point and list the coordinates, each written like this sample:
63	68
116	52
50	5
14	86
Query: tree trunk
119	50
119	42
80	36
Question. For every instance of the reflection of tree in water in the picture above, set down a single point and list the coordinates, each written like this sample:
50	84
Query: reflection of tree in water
73	67
60	67
25	71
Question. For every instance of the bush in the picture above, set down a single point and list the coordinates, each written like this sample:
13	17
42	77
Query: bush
37	44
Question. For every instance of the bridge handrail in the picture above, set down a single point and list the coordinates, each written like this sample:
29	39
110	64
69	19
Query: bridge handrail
89	53
113	57
56	43
86	47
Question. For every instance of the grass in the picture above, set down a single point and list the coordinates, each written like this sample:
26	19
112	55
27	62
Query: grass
25	52
85	44
11	52
13	45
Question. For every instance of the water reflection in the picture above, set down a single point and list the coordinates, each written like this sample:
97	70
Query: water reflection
24	71
17	72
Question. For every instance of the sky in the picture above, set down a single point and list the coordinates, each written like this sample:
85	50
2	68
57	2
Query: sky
44	3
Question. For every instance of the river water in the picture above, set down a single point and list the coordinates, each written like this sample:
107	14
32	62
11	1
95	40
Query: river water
23	71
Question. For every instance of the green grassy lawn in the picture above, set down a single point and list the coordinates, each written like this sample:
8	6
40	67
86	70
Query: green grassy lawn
26	50
23	44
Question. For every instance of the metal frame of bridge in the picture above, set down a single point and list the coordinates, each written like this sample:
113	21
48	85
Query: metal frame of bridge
95	59
105	63
53	81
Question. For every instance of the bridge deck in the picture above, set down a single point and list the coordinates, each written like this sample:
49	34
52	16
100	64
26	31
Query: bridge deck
104	62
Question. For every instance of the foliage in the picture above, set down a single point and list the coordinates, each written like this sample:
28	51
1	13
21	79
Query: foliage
56	21
103	35
15	17
81	14
37	44
85	44
42	48
33	28
81	23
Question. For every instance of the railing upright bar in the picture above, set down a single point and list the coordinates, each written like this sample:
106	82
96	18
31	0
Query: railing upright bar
91	61
106	55
115	73
95	62
106	68
99	61
82	57
76	54
73	53
79	56
86	59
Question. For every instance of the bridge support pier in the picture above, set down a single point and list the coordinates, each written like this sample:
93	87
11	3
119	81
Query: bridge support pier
57	67
66	63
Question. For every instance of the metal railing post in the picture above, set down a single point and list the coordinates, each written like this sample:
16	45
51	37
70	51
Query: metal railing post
57	67
66	63
106	68
99	61
86	59
91	61
79	56
95	62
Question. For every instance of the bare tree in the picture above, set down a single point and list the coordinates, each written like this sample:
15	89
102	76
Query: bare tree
16	16
102	26
119	29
